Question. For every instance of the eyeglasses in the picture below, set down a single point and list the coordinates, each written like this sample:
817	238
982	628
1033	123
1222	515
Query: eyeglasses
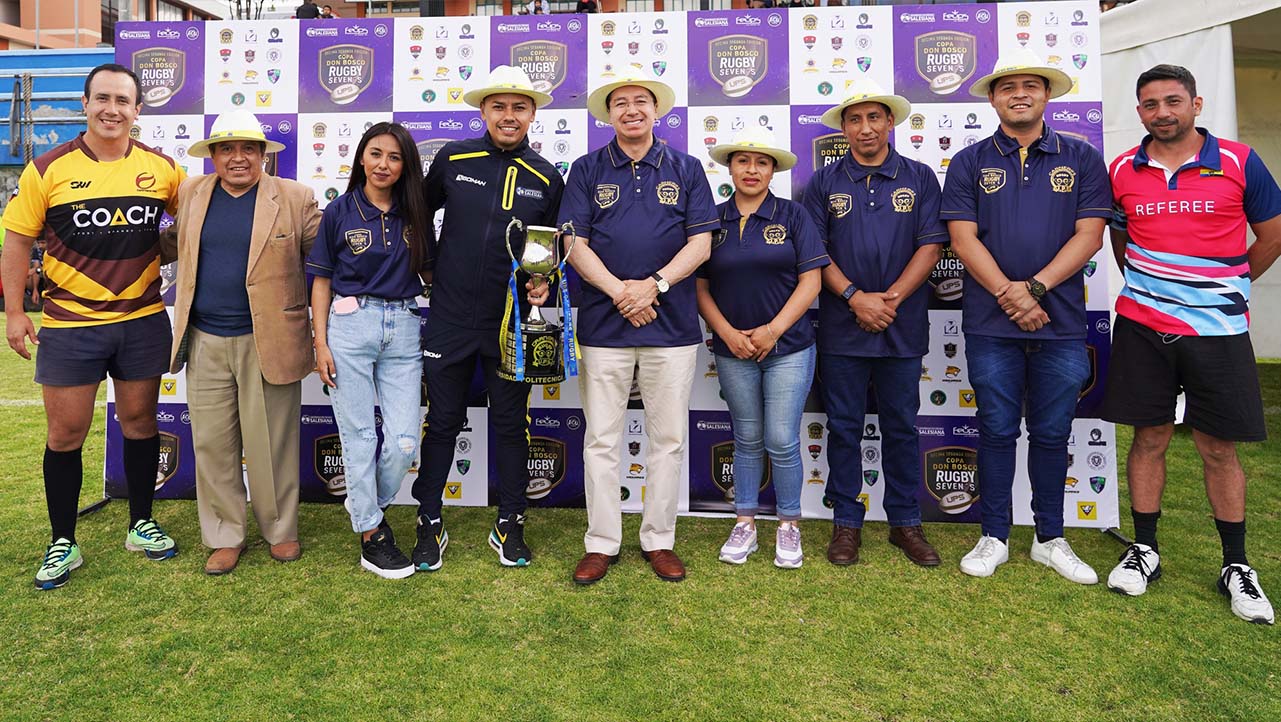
639	104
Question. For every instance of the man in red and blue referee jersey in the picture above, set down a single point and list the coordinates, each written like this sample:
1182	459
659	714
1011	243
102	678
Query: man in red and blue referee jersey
1183	199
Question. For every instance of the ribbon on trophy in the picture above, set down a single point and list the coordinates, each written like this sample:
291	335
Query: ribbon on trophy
514	302
534	342
570	346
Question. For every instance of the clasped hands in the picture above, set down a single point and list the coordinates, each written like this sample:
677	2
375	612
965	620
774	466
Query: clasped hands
1021	306
637	301
874	311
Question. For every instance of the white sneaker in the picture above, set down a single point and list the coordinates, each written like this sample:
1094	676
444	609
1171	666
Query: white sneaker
985	557
1240	584
740	545
787	547
1140	566
1057	554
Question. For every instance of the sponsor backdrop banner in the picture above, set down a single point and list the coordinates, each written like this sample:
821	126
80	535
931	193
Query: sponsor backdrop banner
316	86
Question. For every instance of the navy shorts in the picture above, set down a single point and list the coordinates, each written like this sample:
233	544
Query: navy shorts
129	350
1217	374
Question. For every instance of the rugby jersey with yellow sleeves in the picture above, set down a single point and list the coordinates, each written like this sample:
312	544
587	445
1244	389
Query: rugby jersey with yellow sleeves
102	255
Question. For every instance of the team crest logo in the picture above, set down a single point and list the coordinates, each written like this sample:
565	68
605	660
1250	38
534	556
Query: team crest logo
991	180
775	234
916	121
1023	18
904	200
814	451
163	73
464	71
1062	179
250	55
945	142
837	42
809	41
871	476
1097	483
1051	39
946	59
416	32
608	27
660	67
633	48
546	466
440	52
917	140
606	195
1079	60
1090	268
463	465
809	22
951	477
359	240
225	37
273	75
737	63
633	448
711	123
864	64
668	193
839	204
949	350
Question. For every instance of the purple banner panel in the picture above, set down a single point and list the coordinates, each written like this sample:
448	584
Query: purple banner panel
940	50
345	65
282	128
949	488
555	459
432	130
670	129
321	475
738	56
169	59
176	472
552	49
711	465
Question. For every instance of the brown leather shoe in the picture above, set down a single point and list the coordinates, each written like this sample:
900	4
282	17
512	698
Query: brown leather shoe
911	539
665	564
843	549
593	567
223	560
286	551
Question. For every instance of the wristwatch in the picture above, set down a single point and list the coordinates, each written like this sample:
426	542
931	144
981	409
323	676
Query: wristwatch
663	286
1036	288
849	292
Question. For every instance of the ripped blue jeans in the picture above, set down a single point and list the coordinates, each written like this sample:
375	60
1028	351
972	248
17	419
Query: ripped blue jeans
378	361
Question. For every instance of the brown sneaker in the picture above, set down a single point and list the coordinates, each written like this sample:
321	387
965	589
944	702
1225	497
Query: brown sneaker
286	551
665	564
223	560
593	567
911	539
843	549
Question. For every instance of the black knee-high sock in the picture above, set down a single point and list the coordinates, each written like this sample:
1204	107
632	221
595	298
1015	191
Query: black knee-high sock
141	456
63	475
1145	527
1232	535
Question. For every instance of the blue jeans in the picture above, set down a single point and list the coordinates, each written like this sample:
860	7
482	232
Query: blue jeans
378	359
897	382
1009	375
765	402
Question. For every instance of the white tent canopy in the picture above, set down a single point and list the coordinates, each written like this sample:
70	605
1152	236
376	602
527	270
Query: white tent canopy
1233	47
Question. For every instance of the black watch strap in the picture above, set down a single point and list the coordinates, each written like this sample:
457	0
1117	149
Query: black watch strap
1036	288
849	292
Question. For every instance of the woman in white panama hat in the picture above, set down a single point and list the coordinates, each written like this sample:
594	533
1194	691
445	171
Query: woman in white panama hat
764	272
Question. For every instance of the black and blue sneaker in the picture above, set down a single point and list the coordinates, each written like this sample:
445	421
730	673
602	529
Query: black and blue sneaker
429	552
508	539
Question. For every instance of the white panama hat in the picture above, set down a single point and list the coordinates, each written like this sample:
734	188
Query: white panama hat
755	140
507	79
237	124
664	96
866	90
1021	61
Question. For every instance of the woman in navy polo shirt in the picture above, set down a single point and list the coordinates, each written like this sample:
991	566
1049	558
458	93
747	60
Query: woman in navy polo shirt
753	292
368	259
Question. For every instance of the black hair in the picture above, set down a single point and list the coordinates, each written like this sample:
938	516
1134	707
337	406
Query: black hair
1167	72
115	68
408	191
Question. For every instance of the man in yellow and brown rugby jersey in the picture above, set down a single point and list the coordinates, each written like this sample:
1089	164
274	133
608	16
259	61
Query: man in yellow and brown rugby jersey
101	197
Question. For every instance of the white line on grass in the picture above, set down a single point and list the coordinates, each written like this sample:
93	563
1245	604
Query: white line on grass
35	402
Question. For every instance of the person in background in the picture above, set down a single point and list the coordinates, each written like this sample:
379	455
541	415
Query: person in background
764	272
307	11
367	261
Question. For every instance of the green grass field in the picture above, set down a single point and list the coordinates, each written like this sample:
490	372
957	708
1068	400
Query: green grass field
884	640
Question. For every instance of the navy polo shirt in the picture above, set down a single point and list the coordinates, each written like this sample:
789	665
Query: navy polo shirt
638	215
752	275
220	305
873	220
363	250
1026	211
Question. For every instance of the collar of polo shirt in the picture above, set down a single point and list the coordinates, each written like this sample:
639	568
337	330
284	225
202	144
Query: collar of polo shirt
1049	142
1209	157
654	157
768	208
888	169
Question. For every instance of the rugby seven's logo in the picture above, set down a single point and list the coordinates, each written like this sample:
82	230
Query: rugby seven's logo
359	240
991	180
839	204
606	195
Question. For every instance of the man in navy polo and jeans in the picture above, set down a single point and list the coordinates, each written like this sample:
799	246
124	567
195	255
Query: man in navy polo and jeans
643	214
878	213
1025	210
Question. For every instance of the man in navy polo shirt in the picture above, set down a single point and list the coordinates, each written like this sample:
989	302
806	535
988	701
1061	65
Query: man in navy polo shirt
643	214
1025	210
878	213
482	183
1183	201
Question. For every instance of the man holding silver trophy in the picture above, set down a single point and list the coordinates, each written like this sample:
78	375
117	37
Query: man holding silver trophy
643	214
490	187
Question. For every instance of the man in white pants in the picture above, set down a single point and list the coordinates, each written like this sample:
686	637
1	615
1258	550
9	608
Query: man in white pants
643	215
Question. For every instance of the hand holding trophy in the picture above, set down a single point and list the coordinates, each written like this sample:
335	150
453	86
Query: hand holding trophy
534	349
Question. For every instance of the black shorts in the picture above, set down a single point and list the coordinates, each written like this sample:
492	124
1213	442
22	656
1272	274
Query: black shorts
129	350
1218	375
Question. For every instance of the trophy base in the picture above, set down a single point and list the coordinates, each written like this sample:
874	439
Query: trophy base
544	361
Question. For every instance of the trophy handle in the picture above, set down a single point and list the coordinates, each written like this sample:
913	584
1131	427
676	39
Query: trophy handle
507	236
572	238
